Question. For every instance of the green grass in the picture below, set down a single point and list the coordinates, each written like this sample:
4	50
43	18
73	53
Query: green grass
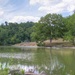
3	72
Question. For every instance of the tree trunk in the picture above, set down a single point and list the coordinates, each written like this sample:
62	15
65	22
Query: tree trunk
73	41
50	42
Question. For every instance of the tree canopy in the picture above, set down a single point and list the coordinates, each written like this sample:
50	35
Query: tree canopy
50	26
11	33
70	26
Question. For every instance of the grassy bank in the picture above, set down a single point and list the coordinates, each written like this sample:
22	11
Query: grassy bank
59	43
3	72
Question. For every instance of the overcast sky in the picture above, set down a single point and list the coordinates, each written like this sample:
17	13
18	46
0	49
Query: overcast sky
32	10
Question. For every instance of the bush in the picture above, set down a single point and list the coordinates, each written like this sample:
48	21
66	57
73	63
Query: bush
3	72
40	44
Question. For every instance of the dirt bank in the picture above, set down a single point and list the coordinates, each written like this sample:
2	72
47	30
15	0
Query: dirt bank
26	44
57	43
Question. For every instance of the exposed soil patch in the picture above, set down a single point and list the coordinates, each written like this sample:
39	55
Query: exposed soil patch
57	43
27	44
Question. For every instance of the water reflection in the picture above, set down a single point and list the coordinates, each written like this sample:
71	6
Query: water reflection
38	60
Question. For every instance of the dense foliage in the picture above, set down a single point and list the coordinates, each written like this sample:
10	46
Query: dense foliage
11	33
70	26
51	26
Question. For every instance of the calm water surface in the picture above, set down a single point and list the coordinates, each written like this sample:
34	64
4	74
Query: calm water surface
59	61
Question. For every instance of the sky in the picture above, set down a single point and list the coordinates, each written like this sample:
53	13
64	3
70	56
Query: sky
31	10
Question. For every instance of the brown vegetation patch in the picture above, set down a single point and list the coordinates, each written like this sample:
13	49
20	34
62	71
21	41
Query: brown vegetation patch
27	44
57	43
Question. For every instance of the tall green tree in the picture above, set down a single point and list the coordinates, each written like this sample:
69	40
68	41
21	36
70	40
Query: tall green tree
70	25
50	27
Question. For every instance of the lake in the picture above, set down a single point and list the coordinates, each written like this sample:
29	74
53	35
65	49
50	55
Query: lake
51	61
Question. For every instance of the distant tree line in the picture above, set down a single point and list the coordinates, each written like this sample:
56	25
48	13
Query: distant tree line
51	26
12	33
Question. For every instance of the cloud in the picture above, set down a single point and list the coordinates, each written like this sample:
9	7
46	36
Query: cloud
1	12
2	6
43	2
55	6
32	10
24	19
16	11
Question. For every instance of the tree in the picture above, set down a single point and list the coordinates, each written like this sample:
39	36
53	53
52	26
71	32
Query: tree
70	25
13	33
6	23
49	27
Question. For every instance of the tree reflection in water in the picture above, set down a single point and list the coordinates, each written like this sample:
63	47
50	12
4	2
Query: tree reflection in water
42	60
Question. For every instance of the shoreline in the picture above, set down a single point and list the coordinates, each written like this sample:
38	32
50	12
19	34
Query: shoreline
59	43
53	47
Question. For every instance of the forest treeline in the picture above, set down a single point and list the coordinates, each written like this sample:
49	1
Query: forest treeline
12	33
49	27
